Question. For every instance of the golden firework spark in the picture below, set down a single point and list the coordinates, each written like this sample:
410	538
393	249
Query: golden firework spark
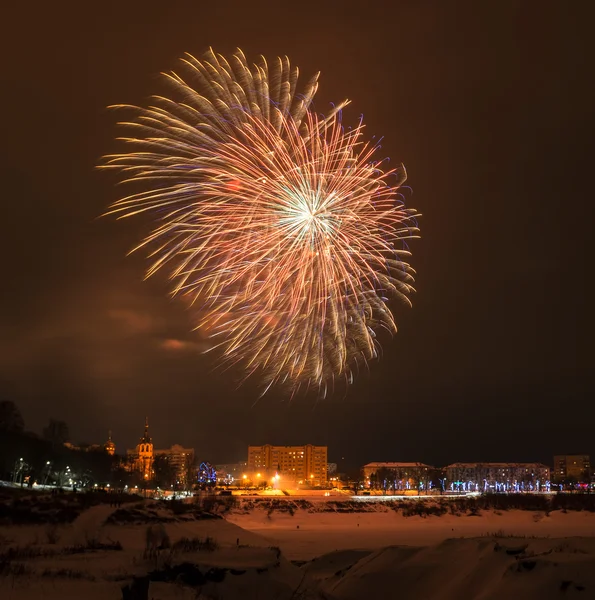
277	223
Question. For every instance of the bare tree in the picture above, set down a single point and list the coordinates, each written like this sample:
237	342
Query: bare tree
165	474
56	432
11	419
190	472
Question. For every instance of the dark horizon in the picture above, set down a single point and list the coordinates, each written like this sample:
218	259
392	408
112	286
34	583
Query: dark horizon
490	110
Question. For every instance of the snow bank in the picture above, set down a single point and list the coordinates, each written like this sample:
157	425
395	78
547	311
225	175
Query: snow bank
475	568
343	555
306	535
92	560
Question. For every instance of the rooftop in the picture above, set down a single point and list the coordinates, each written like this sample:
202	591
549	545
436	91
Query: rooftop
396	465
497	465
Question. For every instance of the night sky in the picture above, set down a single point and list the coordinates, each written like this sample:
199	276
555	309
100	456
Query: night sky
491	111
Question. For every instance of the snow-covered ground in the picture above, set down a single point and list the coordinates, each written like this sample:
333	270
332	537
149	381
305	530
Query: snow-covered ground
42	570
337	555
307	535
484	568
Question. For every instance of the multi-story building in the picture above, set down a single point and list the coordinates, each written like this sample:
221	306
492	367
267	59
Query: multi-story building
497	477
572	467
398	476
181	461
295	465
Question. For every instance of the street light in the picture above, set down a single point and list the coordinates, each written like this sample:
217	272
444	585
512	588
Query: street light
18	471
46	472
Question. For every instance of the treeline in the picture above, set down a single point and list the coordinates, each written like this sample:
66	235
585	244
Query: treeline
42	461
31	458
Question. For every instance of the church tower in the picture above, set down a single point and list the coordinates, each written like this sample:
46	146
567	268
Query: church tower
109	446
144	451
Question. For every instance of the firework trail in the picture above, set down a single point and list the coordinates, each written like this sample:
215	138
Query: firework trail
277	223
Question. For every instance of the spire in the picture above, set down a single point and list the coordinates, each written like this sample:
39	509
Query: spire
146	438
109	446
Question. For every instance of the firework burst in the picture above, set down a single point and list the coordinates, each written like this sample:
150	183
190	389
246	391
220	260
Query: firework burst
278	224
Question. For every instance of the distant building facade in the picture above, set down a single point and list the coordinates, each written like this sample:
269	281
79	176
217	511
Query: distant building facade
397	476
182	463
572	467
497	477
295	465
108	447
83	447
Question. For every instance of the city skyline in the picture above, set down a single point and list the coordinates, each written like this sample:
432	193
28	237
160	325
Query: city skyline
280	467
126	451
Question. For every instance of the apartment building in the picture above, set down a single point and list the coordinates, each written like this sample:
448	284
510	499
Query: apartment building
295	465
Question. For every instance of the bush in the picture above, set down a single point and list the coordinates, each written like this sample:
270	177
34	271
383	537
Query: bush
92	545
228	503
52	535
135	516
422	508
573	502
9	569
45	510
185	573
25	553
195	544
67	574
178	507
208	503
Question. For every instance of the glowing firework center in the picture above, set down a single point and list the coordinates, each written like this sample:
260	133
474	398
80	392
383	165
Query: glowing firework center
279	225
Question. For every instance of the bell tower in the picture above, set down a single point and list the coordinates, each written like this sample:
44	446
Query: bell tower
144	451
109	446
